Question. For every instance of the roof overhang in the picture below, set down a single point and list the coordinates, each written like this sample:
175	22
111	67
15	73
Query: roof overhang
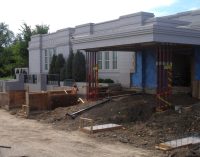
137	37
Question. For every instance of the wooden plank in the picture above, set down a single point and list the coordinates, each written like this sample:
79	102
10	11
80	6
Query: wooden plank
195	88
184	142
101	128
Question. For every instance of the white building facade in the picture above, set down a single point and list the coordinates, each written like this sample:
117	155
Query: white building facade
114	65
117	41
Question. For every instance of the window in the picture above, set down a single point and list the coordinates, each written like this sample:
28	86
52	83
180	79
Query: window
114	55
107	60
99	60
48	57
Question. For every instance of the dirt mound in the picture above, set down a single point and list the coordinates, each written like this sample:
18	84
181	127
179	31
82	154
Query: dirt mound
129	109
142	127
192	151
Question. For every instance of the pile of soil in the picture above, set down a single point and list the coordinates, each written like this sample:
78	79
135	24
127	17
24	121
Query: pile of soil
142	126
191	151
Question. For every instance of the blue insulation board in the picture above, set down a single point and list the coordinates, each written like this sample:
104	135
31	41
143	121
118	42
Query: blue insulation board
150	73
137	76
145	74
197	63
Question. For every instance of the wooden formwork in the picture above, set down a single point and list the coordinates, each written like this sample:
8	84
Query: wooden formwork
50	100
196	89
38	101
12	99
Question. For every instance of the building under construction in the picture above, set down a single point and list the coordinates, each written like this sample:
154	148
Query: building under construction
167	51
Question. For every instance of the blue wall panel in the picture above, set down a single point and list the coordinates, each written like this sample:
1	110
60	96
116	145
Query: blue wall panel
197	63
145	74
137	76
150	79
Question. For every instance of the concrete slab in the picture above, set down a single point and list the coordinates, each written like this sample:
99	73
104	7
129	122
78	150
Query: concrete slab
178	143
99	128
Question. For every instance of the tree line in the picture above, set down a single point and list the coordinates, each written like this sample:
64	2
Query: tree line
14	48
74	67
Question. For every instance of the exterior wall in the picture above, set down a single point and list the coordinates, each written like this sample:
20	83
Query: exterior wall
59	41
34	61
191	16
124	68
137	76
150	72
145	74
134	29
197	64
196	74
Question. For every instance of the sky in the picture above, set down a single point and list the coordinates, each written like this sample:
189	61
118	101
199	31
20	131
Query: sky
59	14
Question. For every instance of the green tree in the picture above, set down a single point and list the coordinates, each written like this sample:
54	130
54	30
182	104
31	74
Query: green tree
79	67
52	69
41	29
6	36
6	56
59	64
69	65
22	41
7	62
23	38
60	61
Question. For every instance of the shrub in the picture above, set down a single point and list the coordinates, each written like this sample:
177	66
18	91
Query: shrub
79	67
108	81
105	80
101	80
69	65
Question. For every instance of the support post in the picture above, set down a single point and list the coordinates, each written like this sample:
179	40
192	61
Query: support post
164	76
92	75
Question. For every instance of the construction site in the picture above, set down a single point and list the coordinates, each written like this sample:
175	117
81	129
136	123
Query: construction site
158	115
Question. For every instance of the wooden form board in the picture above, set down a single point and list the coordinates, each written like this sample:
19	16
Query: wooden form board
100	128
166	146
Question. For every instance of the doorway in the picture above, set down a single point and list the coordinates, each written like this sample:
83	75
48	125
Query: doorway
182	69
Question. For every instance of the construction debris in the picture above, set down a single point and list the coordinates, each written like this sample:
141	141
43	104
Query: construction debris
81	100
100	128
75	114
5	147
143	127
96	128
183	142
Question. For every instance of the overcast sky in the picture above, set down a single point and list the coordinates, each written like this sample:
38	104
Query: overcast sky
69	13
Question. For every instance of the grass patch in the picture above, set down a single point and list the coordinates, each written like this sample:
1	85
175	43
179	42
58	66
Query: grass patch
7	78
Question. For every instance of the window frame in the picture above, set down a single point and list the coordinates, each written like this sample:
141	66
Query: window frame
107	59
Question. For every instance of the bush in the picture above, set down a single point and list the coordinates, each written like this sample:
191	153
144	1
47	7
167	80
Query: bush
105	80
101	80
108	81
52	69
69	65
79	67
